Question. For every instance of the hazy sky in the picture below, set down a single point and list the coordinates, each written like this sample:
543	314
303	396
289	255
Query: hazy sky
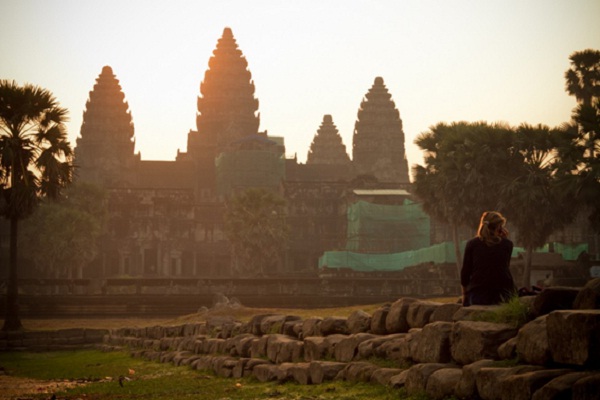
443	60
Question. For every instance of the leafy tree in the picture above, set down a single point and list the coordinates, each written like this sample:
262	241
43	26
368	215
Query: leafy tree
583	77
256	227
580	146
36	162
61	237
463	164
534	201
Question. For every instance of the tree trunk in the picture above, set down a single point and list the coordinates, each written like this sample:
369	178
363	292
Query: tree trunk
457	254
12	322
527	267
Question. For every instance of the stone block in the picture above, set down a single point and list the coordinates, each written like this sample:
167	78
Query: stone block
434	343
359	321
471	341
523	386
378	321
334	325
315	348
396	321
347	349
357	371
574	337
419	313
488	380
445	312
559	388
554	298
588	297
417	376
442	382
587	388
311	327
532	342
383	376
466	387
300	372
321	371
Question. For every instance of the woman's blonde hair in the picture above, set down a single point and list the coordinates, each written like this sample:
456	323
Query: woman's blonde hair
489	225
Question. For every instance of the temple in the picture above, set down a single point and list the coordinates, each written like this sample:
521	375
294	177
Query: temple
166	217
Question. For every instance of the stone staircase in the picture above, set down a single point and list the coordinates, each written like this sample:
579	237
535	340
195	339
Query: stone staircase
422	346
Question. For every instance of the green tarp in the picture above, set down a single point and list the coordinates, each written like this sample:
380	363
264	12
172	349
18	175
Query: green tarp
377	228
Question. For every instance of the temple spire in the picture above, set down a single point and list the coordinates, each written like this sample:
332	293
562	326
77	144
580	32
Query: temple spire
327	146
227	108
106	146
378	141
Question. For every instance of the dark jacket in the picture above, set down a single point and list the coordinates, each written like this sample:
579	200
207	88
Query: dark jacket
486	268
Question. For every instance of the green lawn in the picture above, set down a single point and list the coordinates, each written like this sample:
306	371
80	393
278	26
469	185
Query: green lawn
151	380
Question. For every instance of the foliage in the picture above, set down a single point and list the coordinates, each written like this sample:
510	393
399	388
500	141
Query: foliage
580	148
534	201
35	163
583	77
165	381
464	163
513	312
61	237
255	225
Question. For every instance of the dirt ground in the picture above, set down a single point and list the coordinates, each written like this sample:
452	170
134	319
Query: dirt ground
13	387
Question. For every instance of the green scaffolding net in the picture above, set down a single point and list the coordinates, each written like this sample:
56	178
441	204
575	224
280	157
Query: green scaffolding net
377	228
441	253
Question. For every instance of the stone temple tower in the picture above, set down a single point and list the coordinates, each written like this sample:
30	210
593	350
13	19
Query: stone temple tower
105	150
378	141
227	108
327	147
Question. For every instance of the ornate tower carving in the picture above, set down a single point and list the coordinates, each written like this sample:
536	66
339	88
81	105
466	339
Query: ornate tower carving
105	148
378	142
327	146
227	108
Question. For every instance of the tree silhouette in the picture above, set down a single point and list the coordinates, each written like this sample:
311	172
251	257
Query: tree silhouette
36	162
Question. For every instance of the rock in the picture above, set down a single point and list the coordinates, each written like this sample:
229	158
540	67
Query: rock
445	312
315	348
266	372
471	340
532	342
419	313
587	388
378	321
466	387
399	381
589	296
253	326
321	371
370	348
508	349
442	382
334	325
357	371
332	342
488	380
292	328
554	298
347	349
400	349
281	348
417	376
395	321
523	386
274	323
301	373
258	347
311	327
472	312
382	376
243	344
574	337
359	321
559	388
437	337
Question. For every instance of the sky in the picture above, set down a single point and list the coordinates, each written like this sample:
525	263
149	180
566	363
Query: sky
441	60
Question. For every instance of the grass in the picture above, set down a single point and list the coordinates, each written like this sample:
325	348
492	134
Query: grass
513	312
100	372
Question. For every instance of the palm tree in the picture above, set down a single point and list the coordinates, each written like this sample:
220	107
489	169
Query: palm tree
463	164
36	162
583	78
256	227
533	201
